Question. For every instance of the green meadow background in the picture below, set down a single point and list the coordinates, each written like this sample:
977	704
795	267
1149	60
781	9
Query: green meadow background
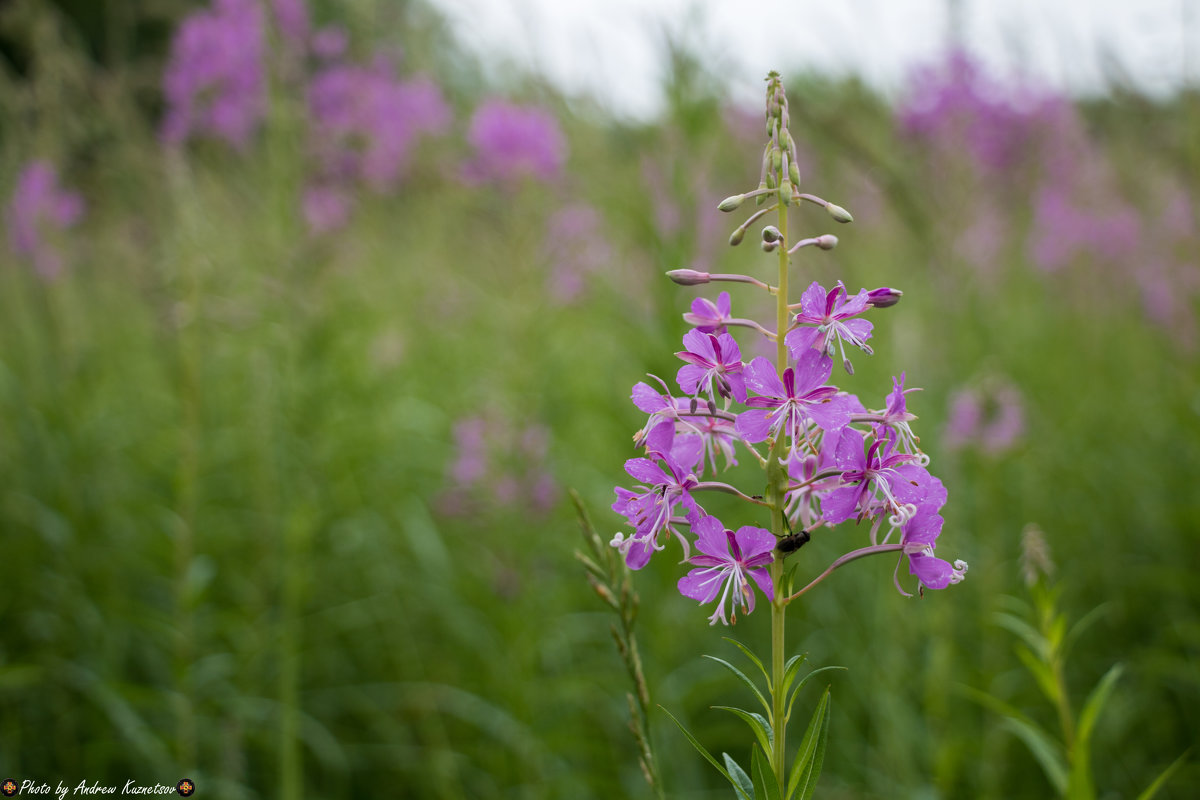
232	549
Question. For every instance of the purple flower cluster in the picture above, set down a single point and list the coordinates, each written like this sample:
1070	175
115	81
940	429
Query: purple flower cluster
513	142
990	417
215	79
955	104
844	462
40	208
499	465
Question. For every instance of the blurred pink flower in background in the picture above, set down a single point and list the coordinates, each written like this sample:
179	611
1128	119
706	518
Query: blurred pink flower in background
990	417
38	210
512	142
215	82
576	248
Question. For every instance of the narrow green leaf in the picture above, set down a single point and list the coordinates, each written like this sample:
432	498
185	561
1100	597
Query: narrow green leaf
787	714
811	755
1041	672
1095	704
739	775
750	656
766	784
1023	631
1163	777
708	756
791	669
757	722
1043	746
741	675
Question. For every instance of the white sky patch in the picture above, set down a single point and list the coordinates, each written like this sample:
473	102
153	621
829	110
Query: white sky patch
613	49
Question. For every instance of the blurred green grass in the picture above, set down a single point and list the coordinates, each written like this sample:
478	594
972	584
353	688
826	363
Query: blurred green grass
224	450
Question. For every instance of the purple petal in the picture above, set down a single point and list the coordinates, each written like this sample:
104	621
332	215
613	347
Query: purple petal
702	584
754	541
932	571
647	399
923	529
833	414
855	305
638	555
646	471
763	579
912	483
687	451
840	504
859	328
812	370
689	377
659	439
762	378
699	343
812	303
752	425
801	340
849	455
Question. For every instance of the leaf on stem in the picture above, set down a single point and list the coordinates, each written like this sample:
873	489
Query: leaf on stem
708	756
811	755
742	676
766	784
757	722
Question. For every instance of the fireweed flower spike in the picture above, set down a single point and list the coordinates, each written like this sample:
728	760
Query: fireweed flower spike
724	564
827	460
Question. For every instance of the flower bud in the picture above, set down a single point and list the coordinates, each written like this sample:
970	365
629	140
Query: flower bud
688	277
731	203
794	173
883	297
838	213
770	247
826	241
736	237
771	234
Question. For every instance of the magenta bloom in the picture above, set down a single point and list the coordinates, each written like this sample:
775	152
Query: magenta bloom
894	425
714	366
899	482
919	537
366	121
832	313
39	208
725	563
512	142
663	491
710	317
787	407
215	82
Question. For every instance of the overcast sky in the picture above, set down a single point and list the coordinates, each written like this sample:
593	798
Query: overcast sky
612	48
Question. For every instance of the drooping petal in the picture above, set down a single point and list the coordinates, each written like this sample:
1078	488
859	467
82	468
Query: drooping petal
660	437
840	504
849	455
763	578
933	572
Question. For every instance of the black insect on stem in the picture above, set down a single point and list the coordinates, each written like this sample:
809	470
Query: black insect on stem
793	541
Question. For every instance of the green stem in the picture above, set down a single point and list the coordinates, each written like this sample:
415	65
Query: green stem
778	480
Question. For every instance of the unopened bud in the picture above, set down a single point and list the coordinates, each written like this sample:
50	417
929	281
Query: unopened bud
770	247
731	203
688	277
826	241
794	173
771	234
883	297
736	237
838	213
